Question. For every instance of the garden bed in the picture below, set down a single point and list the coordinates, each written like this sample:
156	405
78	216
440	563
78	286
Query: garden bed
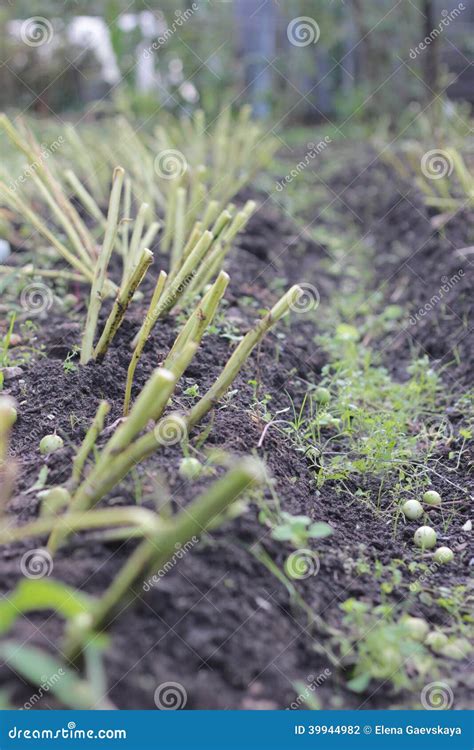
221	623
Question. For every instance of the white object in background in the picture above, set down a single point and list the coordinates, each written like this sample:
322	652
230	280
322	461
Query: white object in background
5	250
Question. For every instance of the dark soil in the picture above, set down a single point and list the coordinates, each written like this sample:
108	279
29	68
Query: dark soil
219	622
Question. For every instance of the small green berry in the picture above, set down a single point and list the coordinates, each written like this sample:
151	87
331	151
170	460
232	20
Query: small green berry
190	468
443	555
436	640
412	509
432	498
53	500
8	413
50	444
322	395
425	537
416	627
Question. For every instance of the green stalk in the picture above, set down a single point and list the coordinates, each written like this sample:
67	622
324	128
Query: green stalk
179	228
101	266
170	215
219	251
150	441
153	553
89	441
141	518
85	197
241	354
30	270
19	206
177	285
194	237
136	236
149	406
82	154
142	339
122	301
125	225
32	152
211	214
150	234
221	222
202	317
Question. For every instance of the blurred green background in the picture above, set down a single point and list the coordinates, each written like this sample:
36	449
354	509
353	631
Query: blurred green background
363	62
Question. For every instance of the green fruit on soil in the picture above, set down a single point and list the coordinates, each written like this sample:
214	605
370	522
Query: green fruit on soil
436	640
8	413
190	468
50	444
443	555
432	498
425	537
412	509
416	627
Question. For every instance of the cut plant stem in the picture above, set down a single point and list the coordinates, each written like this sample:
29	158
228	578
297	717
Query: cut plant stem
136	236
242	352
142	339
101	266
89	442
142	519
202	317
85	197
177	285
91	492
179	228
149	406
153	553
47	273
20	206
122	301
